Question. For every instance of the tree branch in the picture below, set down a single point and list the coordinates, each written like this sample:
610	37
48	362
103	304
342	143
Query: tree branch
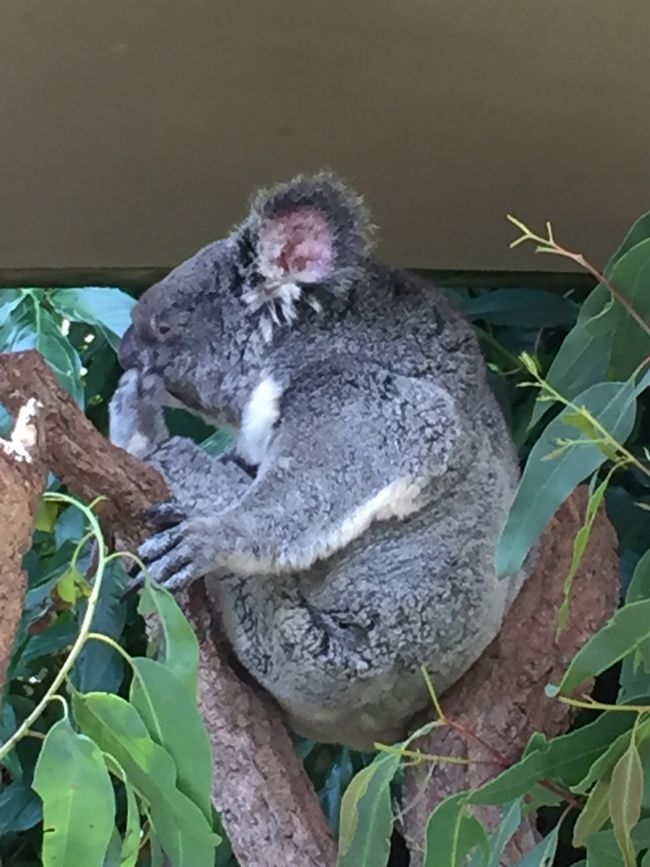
268	806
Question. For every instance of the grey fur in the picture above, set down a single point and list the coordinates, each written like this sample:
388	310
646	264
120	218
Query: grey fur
362	543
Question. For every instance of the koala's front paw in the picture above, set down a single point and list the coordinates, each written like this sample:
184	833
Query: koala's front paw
137	423
182	552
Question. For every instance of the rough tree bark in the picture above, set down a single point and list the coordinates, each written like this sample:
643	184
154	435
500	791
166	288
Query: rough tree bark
22	481
269	808
501	699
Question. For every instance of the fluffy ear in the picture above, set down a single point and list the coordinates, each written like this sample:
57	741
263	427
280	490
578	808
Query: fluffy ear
309	231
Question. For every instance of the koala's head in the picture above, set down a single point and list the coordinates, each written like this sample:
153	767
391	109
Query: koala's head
301	241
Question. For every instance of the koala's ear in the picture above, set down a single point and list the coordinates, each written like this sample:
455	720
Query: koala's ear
309	231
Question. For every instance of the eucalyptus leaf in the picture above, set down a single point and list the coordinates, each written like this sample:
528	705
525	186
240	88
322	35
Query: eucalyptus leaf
171	716
78	800
544	853
501	835
625	794
549	477
452	834
366	815
118	729
98	666
594	814
621	636
583	358
566	758
129	847
181	647
102	306
601	768
20	808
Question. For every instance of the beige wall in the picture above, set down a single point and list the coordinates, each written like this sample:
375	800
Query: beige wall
132	131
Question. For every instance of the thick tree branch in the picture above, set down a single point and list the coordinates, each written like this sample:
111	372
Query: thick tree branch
267	803
22	481
501	699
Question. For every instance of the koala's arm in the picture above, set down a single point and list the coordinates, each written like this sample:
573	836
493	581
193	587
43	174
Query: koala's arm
348	449
198	482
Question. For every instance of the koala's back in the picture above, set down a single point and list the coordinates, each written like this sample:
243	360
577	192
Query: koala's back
399	321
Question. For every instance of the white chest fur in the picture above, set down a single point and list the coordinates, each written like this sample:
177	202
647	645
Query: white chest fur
258	418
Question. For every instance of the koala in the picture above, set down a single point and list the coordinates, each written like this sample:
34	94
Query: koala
348	534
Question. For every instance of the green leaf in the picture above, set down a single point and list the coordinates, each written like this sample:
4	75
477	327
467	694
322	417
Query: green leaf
20	808
130	845
451	835
583	357
525	308
632	678
544	853
181	649
629	341
78	800
9	300
580	546
603	850
603	764
545	484
594	814
103	306
503	832
98	666
627	629
46	516
566	758
57	637
178	823
639	587
605	337
169	711
639	231
625	794
366	815
8	726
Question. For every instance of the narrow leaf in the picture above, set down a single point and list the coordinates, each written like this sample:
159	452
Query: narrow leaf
451	835
181	649
594	813
544	853
169	711
627	629
567	757
625	795
546	484
366	815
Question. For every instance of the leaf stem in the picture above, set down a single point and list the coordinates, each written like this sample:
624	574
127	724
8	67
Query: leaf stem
75	650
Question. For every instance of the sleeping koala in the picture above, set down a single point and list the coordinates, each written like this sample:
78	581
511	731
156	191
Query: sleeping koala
348	535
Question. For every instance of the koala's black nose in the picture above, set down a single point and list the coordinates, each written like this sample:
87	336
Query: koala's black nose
126	353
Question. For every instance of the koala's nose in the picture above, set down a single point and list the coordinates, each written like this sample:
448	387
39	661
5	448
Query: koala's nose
126	353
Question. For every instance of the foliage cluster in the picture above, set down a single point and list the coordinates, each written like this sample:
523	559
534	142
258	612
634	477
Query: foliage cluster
115	770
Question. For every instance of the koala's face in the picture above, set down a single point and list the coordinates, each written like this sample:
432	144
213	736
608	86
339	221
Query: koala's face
180	323
190	327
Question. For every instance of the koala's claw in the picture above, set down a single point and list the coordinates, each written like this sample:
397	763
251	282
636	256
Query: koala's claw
173	556
164	516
